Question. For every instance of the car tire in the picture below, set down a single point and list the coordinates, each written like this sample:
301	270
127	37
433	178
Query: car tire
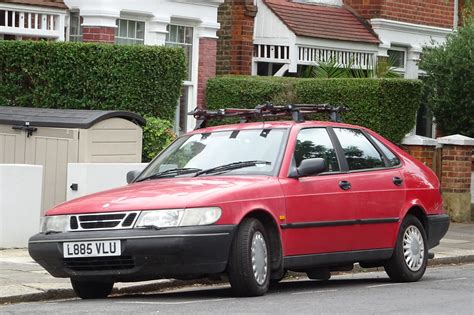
249	261
91	290
410	257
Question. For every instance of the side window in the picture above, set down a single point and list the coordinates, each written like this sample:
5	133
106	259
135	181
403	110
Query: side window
359	152
393	160
315	143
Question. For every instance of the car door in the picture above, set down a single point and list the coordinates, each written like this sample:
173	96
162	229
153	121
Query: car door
377	186
319	214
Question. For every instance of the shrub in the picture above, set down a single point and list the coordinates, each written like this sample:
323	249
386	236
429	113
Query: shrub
157	135
142	79
450	81
387	106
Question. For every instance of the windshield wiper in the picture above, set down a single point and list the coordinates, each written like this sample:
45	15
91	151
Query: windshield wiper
171	173
231	166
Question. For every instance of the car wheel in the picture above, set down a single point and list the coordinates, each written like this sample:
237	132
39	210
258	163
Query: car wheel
248	267
91	290
410	257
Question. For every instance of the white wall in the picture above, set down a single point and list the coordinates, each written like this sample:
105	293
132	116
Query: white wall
95	177
20	203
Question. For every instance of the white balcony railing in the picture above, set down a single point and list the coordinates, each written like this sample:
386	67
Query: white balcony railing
312	56
28	23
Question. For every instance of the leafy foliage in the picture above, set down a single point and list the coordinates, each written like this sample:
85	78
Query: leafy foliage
450	82
331	69
387	106
157	135
142	79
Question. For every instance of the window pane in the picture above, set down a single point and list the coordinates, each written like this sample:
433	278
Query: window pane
189	35
392	158
131	29
397	57
123	28
359	152
173	33
141	30
181	34
315	143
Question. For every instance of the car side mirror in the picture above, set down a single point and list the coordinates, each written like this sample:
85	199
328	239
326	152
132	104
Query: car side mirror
310	167
131	175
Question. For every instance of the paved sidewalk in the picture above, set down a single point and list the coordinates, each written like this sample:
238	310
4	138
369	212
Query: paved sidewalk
22	280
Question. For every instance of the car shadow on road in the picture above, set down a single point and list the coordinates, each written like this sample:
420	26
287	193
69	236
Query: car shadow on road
224	291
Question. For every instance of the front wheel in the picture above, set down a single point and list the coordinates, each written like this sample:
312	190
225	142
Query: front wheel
91	290
248	267
410	257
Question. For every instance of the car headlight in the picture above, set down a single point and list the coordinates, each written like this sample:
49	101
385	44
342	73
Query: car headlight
178	217
57	223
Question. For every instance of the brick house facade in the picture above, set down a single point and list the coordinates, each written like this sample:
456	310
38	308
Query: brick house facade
278	37
180	23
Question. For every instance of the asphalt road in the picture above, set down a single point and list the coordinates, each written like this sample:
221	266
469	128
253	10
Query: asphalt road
443	290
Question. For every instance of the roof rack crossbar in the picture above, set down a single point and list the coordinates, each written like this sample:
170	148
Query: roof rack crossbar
296	111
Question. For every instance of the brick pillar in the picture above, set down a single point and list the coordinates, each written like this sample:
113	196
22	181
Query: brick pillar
456	176
235	45
206	67
421	148
98	34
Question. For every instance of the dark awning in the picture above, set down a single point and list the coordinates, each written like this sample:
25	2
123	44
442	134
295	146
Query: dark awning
62	118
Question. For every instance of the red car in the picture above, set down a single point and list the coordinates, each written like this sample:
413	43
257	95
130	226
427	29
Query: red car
252	200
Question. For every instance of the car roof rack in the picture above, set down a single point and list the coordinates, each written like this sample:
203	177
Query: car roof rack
296	111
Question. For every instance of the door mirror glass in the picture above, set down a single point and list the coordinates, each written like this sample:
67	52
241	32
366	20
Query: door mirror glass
310	167
132	175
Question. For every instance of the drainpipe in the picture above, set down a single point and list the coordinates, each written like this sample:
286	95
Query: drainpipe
456	15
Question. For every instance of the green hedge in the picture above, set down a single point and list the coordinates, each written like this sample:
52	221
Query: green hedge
387	106
142	79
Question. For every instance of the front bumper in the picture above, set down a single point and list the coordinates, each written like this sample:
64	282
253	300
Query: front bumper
437	227
185	252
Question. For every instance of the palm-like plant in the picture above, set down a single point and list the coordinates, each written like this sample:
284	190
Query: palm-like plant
329	69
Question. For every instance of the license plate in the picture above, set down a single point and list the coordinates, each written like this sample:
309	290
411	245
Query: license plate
92	249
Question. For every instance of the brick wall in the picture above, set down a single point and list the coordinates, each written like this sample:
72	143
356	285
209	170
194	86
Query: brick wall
206	67
426	12
98	34
423	153
456	169
235	44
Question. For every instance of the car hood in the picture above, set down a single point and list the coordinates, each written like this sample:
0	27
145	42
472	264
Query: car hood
168	193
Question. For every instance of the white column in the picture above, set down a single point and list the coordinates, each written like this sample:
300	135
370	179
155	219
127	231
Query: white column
411	68
156	34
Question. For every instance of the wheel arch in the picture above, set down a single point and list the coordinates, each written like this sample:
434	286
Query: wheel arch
274	235
420	213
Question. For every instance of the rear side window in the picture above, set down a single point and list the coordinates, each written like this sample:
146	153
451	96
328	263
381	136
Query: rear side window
359	152
393	160
315	143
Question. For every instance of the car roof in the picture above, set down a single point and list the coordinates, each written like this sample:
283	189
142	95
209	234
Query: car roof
273	125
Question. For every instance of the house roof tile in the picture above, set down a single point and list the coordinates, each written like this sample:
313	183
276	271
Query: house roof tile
59	4
321	21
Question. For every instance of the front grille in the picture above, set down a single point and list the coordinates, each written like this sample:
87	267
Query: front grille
103	221
99	263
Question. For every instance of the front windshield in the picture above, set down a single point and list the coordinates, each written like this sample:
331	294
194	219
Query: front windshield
209	150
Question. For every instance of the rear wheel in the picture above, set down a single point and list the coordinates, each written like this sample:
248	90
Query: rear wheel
91	290
410	257
249	268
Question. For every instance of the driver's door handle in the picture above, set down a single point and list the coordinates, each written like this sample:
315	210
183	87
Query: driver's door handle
397	181
345	185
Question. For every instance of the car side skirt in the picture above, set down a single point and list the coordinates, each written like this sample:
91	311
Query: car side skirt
302	262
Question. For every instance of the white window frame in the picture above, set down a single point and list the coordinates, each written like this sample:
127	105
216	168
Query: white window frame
139	41
191	80
78	36
405	58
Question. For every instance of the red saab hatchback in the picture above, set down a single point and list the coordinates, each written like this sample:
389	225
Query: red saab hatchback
252	200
